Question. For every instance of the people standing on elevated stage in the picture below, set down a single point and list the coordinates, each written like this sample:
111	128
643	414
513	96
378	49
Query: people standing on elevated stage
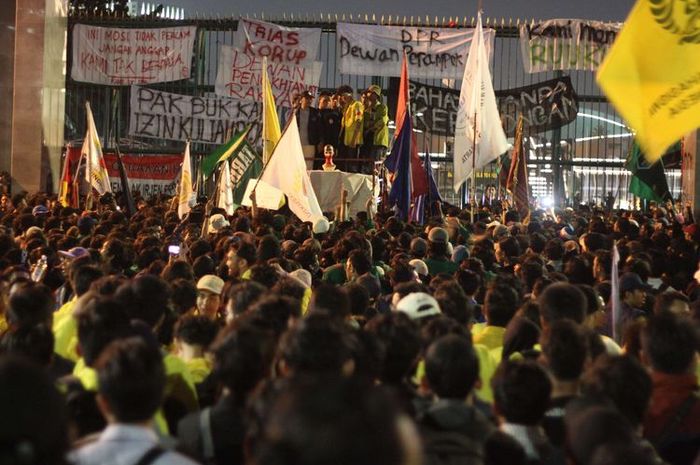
375	130
309	120
351	129
330	124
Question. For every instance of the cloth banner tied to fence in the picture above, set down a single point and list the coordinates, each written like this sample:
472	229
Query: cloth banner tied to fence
211	120
149	174
239	77
560	44
438	53
546	105
278	43
120	56
291	56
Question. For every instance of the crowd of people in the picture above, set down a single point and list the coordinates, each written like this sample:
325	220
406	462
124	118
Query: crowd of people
266	341
357	130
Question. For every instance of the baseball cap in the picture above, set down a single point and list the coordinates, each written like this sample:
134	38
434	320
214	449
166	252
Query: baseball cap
217	222
438	235
321	226
75	252
375	89
419	246
631	281
567	233
459	254
691	229
418	305
86	221
420	266
40	210
211	283
306	94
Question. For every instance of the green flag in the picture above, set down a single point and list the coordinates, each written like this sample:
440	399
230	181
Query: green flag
223	152
648	181
246	164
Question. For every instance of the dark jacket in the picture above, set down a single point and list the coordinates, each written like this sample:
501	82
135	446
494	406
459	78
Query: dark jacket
453	433
330	127
315	125
227	433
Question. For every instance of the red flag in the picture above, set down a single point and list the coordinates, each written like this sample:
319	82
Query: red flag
517	174
419	181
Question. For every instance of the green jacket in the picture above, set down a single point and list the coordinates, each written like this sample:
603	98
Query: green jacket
375	122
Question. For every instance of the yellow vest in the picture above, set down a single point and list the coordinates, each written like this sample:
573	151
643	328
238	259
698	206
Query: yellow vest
65	332
353	121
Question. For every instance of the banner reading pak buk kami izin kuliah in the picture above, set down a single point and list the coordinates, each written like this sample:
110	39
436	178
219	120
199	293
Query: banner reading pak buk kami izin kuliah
120	56
560	44
212	120
438	53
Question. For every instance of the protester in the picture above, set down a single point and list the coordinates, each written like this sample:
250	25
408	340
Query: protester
398	327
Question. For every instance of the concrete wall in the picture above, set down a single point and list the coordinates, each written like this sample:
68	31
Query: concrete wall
32	91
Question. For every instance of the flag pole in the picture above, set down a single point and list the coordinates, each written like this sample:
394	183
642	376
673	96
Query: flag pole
473	199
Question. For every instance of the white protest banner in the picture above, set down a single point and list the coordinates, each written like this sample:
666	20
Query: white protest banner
560	44
439	53
239	77
278	43
118	56
212	120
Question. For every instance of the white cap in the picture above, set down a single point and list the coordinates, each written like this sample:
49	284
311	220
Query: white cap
217	222
211	283
418	305
321	226
420	266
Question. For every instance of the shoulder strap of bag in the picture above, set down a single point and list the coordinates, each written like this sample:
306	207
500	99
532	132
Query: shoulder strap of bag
205	430
151	455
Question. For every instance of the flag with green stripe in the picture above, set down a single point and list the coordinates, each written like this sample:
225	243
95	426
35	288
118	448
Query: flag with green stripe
648	180
223	152
246	164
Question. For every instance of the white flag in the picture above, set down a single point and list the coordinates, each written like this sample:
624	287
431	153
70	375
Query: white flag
615	303
286	171
183	206
95	168
225	199
477	100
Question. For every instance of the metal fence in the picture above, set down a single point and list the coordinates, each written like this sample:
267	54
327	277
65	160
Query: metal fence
580	162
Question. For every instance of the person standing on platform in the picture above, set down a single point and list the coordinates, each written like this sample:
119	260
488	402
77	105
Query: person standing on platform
330	124
351	129
309	120
375	130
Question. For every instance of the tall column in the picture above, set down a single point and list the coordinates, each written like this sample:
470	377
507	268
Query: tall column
7	66
691	172
38	95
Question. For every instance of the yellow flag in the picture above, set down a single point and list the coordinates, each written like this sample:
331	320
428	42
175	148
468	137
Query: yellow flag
271	123
652	72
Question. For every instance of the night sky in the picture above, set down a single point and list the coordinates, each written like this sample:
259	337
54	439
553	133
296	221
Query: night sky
606	10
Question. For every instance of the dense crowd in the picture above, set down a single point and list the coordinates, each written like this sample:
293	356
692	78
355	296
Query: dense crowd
265	341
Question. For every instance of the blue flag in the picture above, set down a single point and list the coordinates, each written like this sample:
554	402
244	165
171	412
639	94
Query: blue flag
401	189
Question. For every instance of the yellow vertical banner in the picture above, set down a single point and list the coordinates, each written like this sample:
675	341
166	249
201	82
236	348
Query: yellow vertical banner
271	122
652	72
